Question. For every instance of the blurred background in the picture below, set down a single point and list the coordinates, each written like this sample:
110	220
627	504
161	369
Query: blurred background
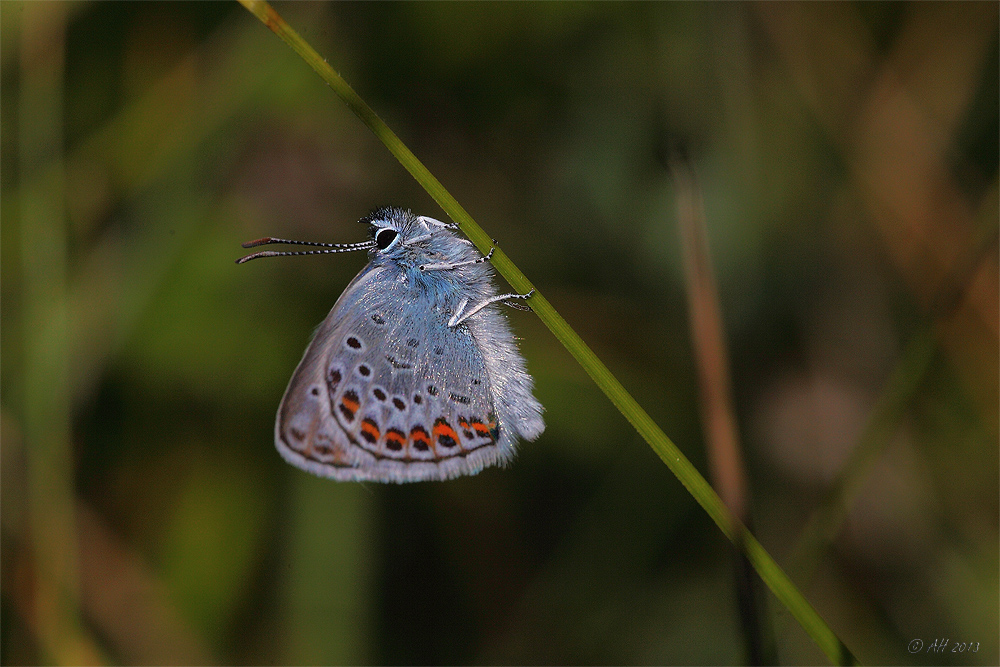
846	156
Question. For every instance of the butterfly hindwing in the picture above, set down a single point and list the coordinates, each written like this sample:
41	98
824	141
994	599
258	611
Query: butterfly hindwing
385	393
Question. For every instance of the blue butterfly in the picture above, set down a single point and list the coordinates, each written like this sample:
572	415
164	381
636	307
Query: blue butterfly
414	375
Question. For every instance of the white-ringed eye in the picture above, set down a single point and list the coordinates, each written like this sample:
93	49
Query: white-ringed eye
385	237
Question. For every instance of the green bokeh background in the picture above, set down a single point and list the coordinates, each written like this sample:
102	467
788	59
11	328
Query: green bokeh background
847	155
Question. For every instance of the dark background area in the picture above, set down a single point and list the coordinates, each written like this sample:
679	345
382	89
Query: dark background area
847	157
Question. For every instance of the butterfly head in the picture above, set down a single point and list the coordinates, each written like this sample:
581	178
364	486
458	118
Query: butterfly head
390	229
399	236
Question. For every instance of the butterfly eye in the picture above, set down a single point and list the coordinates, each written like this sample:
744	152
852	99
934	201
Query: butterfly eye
385	237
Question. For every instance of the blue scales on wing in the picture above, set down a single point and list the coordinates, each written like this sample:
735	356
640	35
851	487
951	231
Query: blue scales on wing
391	393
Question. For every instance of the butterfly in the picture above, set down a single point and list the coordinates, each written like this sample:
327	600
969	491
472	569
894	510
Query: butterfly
415	374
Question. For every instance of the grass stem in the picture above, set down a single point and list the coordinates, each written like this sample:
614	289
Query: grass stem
704	494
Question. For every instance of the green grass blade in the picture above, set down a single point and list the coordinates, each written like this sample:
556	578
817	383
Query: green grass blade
704	494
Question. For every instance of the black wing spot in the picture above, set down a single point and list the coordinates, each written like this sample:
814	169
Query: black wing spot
370	430
458	398
377	319
349	404
413	342
394	439
445	434
432	390
353	343
420	438
438	350
397	364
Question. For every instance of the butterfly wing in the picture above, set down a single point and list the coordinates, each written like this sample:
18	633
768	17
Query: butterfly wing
388	392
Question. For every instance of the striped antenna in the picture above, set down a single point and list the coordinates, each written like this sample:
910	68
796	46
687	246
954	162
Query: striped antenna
328	248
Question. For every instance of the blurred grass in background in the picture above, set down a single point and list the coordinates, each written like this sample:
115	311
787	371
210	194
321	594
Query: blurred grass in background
847	155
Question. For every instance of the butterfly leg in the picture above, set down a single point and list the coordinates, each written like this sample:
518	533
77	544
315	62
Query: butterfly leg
458	312
447	266
427	221
461	314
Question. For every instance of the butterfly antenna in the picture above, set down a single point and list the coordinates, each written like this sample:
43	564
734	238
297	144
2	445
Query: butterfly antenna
328	248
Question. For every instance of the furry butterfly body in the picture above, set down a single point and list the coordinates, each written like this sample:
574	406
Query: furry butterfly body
414	375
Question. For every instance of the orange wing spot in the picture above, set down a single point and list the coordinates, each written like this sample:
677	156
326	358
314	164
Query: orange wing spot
421	438
444	433
464	423
395	439
369	431
481	429
349	404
